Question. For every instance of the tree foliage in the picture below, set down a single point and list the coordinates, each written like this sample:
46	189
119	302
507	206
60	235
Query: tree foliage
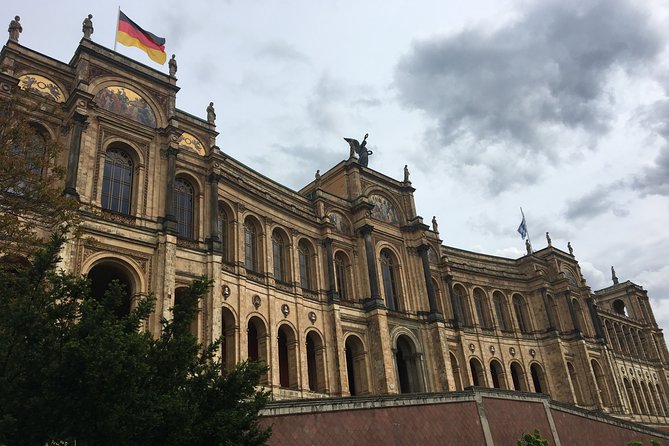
533	439
72	370
31	182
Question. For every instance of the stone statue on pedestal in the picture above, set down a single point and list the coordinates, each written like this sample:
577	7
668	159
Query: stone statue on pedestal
15	29
87	26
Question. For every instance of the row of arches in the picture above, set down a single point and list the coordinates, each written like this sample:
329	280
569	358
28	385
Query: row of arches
630	341
490	313
645	398
495	376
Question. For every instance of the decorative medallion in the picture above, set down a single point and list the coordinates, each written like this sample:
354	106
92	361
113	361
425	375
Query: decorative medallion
472	347
125	102
226	292
492	349
285	309
512	351
256	301
533	352
312	317
42	86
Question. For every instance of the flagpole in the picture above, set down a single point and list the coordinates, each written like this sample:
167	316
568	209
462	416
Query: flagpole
527	231
118	17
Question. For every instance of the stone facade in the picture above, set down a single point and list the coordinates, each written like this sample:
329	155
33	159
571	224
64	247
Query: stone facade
340	287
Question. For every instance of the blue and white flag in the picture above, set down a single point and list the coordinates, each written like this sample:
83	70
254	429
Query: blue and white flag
522	229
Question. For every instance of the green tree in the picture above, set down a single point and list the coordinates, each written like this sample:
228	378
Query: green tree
72	369
533	439
31	181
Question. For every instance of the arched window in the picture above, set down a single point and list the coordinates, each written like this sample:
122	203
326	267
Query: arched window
341	275
482	311
390	284
224	233
304	253
250	246
521	315
279	257
117	181
461	305
499	302
184	207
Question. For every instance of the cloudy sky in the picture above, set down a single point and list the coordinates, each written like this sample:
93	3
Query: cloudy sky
558	106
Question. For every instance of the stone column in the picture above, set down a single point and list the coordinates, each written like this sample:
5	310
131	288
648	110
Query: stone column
79	122
170	220
548	309
333	295
595	318
214	240
375	300
455	303
431	295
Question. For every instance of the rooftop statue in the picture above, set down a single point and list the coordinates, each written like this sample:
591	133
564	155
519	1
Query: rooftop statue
211	114
172	64
15	29
360	149
87	26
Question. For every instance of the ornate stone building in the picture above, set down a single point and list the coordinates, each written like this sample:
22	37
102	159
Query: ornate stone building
340	287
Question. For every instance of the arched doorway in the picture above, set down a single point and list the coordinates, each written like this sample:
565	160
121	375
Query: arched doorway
257	342
456	372
497	375
478	376
518	377
106	272
578	395
356	366
180	298
287	349
600	380
408	365
538	379
315	362
228	331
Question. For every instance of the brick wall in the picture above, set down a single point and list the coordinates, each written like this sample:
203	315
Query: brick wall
472	417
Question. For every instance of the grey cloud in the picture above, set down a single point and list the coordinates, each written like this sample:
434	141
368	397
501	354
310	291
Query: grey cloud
525	85
282	51
654	179
320	104
367	102
599	201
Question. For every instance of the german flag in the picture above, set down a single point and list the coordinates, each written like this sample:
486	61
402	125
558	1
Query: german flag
129	33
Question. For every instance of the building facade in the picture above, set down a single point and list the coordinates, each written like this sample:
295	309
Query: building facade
341	288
